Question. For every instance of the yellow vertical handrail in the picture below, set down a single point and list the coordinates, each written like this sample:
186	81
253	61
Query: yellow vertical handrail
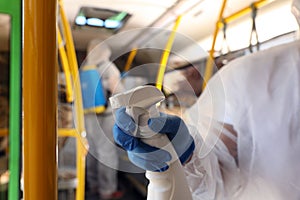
40	100
73	68
165	55
81	142
219	24
130	59
210	59
65	66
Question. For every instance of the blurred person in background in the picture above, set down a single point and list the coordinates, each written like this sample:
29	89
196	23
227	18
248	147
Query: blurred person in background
102	158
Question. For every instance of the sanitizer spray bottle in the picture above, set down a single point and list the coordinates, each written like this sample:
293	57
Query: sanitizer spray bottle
141	104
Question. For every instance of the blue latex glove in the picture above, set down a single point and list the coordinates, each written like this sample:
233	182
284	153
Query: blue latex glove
148	157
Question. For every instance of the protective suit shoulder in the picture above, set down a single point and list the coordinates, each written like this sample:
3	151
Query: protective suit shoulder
249	79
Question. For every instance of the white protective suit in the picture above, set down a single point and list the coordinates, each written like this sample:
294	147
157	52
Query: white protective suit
102	160
259	95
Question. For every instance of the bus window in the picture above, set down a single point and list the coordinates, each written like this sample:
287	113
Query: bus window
4	102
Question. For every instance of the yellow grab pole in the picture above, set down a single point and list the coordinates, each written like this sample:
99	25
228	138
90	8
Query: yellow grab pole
245	11
82	145
210	59
165	56
65	66
130	59
40	100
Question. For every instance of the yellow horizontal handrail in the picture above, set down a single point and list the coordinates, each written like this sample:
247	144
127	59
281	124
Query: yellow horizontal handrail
63	132
245	11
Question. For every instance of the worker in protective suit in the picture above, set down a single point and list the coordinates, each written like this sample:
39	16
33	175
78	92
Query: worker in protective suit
102	159
245	127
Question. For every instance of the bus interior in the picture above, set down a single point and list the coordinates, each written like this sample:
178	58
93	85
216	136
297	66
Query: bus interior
186	40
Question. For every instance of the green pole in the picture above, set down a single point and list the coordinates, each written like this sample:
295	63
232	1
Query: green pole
14	8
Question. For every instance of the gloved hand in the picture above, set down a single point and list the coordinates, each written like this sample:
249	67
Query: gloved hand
148	157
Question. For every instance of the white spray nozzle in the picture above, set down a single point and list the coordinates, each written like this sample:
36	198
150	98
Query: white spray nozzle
142	97
140	104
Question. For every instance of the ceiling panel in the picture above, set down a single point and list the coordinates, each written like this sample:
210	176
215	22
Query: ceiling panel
197	23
